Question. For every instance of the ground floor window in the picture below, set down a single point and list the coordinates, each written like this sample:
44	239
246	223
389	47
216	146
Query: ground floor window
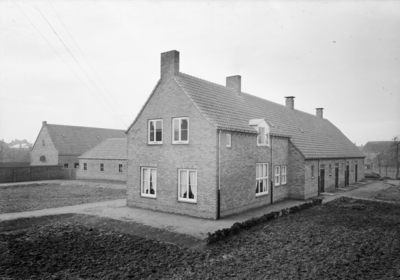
120	168
261	178
283	177
148	182
277	175
187	185
76	165
101	166
84	166
65	165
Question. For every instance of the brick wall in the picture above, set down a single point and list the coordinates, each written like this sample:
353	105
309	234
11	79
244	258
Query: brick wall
296	169
167	102
238	171
49	151
71	160
111	170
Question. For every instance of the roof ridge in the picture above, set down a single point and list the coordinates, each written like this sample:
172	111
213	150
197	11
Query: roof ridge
225	87
75	126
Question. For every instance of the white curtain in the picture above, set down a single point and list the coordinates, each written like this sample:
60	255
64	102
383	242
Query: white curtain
145	181
193	183
183	182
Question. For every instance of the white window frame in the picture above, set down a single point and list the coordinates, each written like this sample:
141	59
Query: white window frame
173	131
154	181
120	166
277	175
154	142
180	198
262	178
229	140
101	167
85	166
283	175
266	134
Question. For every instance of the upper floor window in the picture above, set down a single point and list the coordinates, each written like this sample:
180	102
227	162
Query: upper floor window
149	182
155	128
43	143
277	175
261	178
120	168
263	131
101	166
180	130
283	176
263	137
84	166
229	140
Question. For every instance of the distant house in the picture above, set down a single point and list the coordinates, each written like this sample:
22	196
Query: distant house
105	161
208	150
63	144
372	150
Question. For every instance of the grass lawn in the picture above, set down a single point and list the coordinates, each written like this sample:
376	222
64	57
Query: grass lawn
35	196
343	239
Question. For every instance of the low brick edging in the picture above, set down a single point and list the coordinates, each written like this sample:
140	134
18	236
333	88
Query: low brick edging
238	227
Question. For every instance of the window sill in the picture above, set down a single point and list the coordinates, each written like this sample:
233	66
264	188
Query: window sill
180	143
263	145
261	194
154	143
148	196
187	201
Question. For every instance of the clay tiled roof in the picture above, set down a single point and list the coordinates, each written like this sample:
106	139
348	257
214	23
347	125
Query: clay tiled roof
75	140
225	109
377	146
108	149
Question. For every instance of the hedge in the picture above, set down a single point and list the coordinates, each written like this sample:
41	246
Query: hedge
238	227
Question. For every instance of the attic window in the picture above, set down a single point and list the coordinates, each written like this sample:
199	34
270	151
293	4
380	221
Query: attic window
42	158
301	130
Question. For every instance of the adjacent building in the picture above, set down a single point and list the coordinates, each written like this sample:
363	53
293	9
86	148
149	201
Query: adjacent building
106	161
208	150
63	144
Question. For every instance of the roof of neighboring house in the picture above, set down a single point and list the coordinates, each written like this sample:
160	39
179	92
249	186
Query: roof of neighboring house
224	108
75	140
108	149
376	146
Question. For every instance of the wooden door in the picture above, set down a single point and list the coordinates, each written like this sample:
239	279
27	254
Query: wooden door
336	177
346	175
322	179
355	169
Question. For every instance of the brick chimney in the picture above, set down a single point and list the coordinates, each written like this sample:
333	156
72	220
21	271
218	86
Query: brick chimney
320	112
44	123
290	102
169	63
234	82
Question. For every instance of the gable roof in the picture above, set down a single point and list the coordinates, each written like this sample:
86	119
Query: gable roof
108	149
75	140
377	146
222	106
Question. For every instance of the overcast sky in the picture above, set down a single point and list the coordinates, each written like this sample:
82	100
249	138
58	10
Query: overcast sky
94	63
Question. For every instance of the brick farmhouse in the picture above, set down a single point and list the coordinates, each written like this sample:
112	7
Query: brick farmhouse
207	150
105	161
63	144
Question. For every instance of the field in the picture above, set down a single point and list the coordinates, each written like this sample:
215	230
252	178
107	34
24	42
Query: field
343	239
35	196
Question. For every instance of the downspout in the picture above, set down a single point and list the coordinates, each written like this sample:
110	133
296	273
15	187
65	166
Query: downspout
272	175
319	186
219	177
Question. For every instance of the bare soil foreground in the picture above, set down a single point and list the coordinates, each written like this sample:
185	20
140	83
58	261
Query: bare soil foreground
343	239
36	196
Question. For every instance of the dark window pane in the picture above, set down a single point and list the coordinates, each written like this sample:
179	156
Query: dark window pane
184	135
159	135
184	124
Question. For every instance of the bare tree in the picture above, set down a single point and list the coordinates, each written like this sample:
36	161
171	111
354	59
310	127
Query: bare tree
396	153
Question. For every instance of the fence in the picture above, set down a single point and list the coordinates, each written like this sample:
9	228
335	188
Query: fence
384	172
35	173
